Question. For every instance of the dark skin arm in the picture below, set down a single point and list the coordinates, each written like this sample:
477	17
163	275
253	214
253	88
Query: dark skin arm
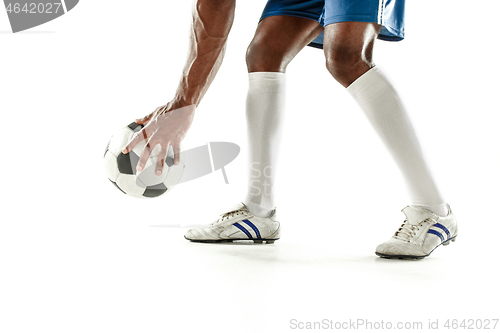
168	124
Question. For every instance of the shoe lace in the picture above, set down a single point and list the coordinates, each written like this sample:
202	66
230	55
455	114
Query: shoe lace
407	230
228	215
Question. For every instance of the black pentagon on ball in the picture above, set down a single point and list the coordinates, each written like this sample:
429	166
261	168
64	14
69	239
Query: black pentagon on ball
154	191
118	187
127	163
135	127
169	160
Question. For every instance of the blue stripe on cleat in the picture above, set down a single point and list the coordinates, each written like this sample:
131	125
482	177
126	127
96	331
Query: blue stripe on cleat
437	233
442	227
239	226
253	227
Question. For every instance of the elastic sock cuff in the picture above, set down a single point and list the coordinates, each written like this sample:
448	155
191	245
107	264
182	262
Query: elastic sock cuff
369	82
266	75
268	82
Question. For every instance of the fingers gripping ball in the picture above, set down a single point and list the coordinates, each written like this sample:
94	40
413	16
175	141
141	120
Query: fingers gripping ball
121	168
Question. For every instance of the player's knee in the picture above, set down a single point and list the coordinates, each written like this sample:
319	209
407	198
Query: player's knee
345	63
263	58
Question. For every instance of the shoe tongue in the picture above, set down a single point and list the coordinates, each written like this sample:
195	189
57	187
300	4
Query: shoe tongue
416	214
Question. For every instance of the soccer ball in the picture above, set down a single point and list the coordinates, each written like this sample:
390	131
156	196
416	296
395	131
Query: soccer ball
121	168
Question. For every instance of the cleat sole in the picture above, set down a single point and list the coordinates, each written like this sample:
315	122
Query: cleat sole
258	241
404	256
450	240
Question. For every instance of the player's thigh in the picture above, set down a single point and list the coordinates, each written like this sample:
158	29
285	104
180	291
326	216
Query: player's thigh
278	39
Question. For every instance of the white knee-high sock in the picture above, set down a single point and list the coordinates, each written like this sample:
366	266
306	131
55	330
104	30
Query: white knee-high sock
384	109
264	110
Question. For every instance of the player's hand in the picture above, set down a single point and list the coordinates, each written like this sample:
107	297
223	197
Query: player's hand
166	126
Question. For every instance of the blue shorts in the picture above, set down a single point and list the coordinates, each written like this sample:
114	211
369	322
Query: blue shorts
388	13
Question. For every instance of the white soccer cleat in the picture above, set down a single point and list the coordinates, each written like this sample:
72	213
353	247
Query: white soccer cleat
238	224
421	233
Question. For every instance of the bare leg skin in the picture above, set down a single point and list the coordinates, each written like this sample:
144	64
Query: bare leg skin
278	40
348	48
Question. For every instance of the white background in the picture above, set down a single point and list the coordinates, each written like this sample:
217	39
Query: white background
76	255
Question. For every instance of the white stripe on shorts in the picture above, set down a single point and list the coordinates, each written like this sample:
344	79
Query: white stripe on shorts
380	15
